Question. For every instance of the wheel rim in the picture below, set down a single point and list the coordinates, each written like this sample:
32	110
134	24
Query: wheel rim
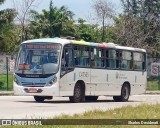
125	92
78	93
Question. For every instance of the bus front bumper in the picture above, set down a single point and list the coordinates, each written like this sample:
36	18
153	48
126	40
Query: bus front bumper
36	91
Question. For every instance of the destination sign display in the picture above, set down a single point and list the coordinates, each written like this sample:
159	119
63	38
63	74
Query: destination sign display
42	46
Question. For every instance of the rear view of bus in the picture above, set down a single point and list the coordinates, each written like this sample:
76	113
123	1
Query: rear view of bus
36	69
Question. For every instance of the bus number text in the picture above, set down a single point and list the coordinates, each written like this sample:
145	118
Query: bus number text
83	74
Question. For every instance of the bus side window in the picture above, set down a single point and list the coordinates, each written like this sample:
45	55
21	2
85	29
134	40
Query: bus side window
143	66
111	59
139	61
127	60
63	62
67	58
93	57
82	56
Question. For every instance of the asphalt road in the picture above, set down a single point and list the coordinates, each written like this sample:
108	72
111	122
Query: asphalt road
24	107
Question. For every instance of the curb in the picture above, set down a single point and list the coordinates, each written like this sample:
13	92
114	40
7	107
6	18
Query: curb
152	92
6	93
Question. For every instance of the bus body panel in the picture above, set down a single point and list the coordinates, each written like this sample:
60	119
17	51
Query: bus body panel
68	81
108	83
136	79
139	86
98	81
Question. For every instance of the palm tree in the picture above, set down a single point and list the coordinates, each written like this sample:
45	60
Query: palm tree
50	23
6	28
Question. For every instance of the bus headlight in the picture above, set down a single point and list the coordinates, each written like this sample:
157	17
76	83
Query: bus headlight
53	81
16	80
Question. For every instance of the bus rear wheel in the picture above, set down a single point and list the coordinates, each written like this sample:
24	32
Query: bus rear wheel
78	95
91	98
125	92
39	99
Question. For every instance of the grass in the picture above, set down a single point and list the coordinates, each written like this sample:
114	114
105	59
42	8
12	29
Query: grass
144	111
153	83
3	82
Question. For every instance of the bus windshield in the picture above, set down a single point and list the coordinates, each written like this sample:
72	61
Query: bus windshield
38	58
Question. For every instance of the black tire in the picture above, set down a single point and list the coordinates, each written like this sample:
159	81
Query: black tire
48	97
39	99
125	92
91	98
78	95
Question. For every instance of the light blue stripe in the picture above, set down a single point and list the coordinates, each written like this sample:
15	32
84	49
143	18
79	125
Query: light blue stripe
94	44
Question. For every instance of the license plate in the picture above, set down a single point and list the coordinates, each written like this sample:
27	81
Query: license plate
32	90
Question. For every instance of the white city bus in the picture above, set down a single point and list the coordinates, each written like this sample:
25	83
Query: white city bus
79	70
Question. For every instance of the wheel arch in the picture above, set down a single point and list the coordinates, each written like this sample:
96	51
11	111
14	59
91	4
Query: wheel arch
82	83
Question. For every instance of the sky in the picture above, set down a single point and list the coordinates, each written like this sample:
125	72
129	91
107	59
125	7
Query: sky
81	8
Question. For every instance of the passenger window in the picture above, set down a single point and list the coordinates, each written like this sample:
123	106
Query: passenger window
127	61
82	57
111	58
98	57
139	61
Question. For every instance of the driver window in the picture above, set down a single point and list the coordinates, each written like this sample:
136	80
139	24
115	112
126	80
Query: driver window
67	58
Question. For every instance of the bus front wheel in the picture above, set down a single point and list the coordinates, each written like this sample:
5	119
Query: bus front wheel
39	99
79	93
125	92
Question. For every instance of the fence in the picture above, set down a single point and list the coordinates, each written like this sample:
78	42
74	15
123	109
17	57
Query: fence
7	65
6	73
153	74
153	67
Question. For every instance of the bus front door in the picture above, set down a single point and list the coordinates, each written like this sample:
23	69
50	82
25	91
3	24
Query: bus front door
67	73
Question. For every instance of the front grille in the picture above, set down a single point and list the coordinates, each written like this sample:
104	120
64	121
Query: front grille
32	84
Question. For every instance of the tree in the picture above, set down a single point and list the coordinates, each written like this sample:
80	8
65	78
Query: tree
140	24
51	23
23	9
104	10
131	6
128	31
7	33
87	32
151	20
